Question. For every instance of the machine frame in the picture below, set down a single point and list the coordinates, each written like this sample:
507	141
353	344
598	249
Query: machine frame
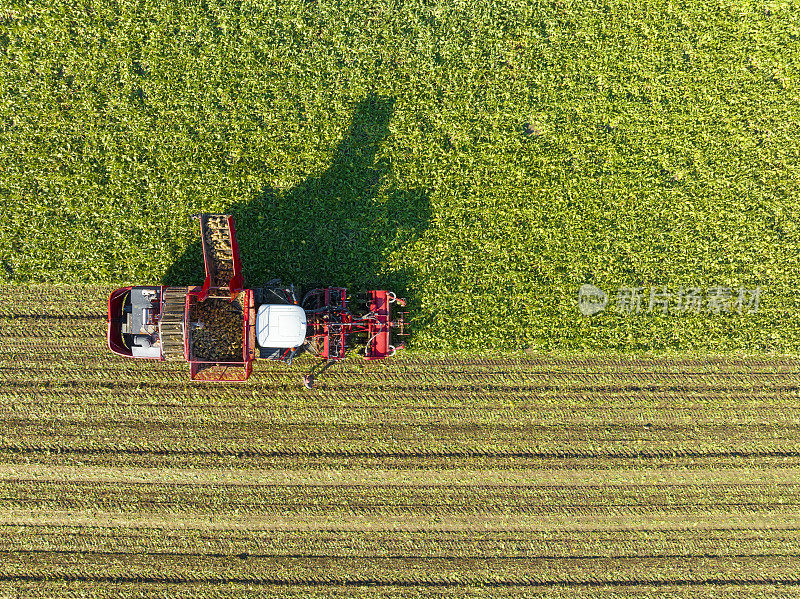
336	323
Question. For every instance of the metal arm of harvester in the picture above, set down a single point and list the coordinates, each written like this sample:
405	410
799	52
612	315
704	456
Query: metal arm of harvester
220	255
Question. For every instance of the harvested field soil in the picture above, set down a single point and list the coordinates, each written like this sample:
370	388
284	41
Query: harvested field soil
422	476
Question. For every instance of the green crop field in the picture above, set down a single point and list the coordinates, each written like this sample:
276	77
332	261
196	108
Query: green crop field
483	158
486	160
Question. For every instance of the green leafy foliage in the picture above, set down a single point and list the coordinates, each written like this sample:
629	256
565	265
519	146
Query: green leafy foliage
485	159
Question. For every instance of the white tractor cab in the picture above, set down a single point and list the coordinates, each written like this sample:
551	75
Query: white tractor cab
280	322
279	326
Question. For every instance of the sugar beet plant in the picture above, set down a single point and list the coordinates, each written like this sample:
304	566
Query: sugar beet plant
486	158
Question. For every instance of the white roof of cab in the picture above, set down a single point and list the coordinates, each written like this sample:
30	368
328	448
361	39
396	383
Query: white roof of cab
280	325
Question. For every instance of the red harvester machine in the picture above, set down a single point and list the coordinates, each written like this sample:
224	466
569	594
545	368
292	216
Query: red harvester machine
220	327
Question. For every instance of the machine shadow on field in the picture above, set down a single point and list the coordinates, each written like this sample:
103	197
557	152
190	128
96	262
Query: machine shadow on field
335	228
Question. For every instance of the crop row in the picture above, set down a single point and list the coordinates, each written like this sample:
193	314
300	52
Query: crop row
465	499
554	543
426	571
399	461
657	414
36	588
376	436
53	301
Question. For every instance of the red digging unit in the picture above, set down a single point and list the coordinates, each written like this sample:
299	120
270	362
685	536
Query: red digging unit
220	327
